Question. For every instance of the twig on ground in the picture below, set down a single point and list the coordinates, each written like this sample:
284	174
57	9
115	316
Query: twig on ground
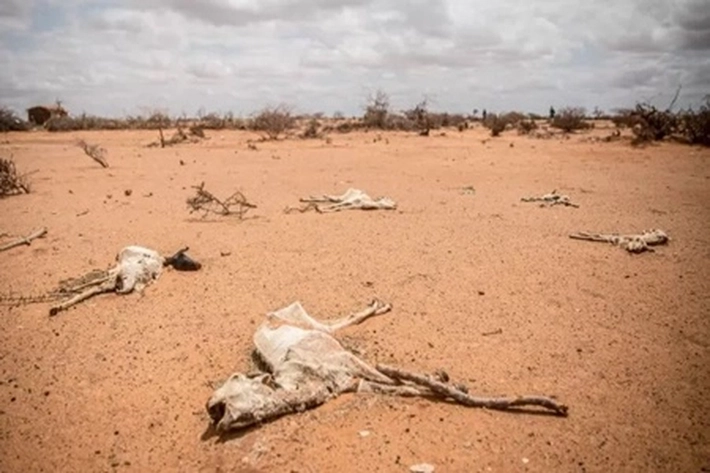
24	240
99	286
461	397
95	152
493	332
206	202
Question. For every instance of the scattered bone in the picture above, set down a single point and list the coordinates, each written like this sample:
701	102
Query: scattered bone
352	199
136	268
306	366
551	199
26	240
637	243
422	468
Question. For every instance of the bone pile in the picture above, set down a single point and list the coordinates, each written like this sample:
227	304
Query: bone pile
635	243
551	199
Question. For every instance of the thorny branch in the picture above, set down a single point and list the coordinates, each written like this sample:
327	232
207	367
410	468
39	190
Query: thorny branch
206	202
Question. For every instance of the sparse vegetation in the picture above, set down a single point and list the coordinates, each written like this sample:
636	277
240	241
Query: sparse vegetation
526	126
273	121
377	111
9	121
695	126
313	129
11	181
569	119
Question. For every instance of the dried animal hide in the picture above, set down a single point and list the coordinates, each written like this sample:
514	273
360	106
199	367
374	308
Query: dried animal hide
352	199
307	366
136	268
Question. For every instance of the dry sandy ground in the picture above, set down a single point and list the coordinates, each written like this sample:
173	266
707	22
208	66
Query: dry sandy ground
119	383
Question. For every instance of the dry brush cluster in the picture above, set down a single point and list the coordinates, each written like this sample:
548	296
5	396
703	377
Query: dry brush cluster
12	182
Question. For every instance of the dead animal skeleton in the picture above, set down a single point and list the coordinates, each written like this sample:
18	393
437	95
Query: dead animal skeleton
632	243
306	366
136	268
352	199
551	199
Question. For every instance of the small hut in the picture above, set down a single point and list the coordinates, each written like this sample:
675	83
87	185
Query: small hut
40	114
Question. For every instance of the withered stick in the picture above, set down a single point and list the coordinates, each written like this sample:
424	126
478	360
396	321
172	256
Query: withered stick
24	240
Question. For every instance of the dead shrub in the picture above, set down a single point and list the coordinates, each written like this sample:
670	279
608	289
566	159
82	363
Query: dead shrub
206	202
377	111
9	121
12	182
651	124
273	121
525	127
496	123
95	152
695	126
312	129
570	119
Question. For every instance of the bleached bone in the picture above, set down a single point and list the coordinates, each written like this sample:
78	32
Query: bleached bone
352	199
306	366
136	268
632	243
551	199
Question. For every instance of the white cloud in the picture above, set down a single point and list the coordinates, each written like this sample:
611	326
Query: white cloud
111	57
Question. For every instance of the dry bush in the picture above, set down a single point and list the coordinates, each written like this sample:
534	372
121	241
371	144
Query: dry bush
525	127
12	182
570	119
95	152
377	111
9	121
273	121
695	126
651	124
213	121
312	129
206	202
495	123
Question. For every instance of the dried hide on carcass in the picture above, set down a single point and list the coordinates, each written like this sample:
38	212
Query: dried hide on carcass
352	199
305	366
136	267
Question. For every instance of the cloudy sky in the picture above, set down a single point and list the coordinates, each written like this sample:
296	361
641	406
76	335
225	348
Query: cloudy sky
114	58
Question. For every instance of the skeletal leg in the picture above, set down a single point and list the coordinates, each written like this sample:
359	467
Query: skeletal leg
106	286
296	315
388	389
607	238
447	391
376	307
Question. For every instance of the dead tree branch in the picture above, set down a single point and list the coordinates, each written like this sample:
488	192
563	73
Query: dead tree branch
461	397
95	152
206	202
26	240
